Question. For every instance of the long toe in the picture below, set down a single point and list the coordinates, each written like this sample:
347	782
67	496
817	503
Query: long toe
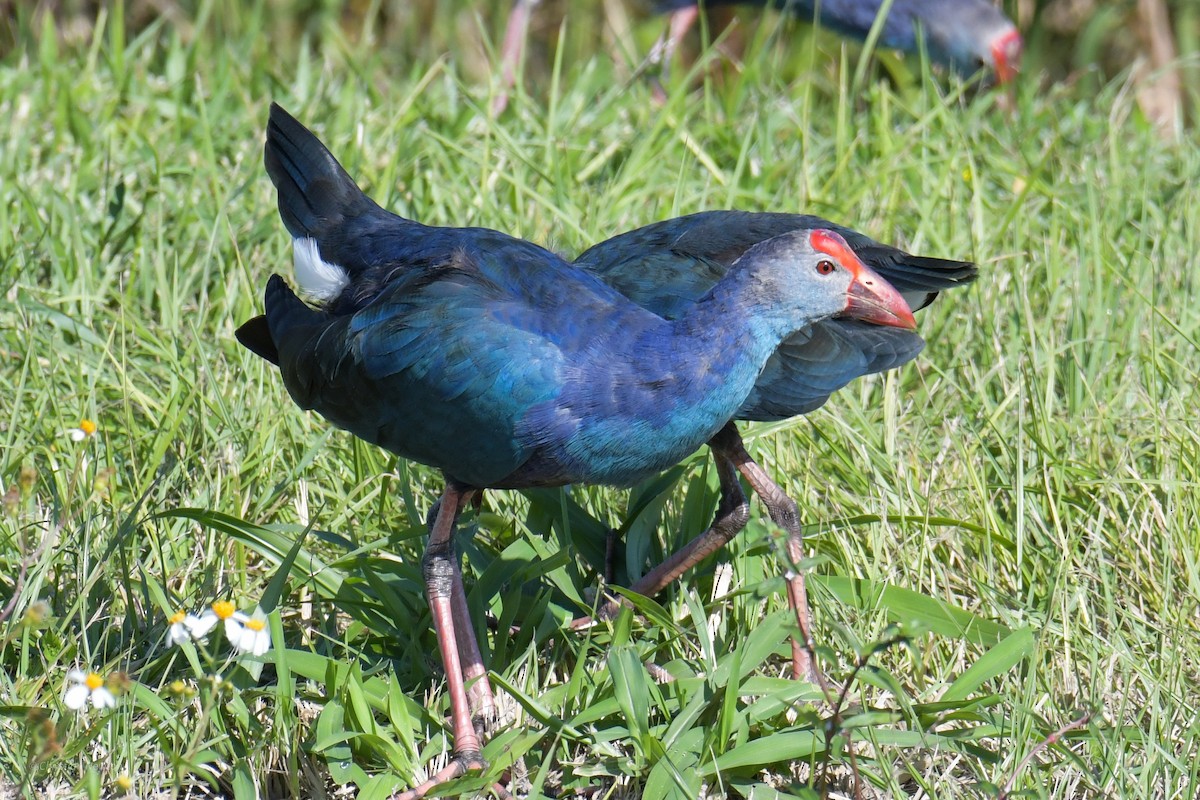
460	765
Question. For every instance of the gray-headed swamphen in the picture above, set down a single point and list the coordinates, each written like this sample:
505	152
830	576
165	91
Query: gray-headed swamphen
504	366
964	35
667	266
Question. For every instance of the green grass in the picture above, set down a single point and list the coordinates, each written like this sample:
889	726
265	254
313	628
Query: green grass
1035	467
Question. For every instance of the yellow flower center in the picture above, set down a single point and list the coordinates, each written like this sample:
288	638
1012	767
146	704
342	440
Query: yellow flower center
177	617
124	783
93	681
223	609
87	426
256	624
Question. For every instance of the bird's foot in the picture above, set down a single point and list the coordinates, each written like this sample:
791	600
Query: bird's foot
608	609
460	765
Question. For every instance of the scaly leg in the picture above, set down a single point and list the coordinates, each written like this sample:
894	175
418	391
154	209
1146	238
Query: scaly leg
731	457
733	512
483	702
440	566
786	514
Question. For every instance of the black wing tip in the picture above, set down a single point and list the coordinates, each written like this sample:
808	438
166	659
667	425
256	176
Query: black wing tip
946	272
287	137
315	191
294	158
967	271
278	295
255	336
283	132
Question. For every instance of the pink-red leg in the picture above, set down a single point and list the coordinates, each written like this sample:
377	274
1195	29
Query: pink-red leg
512	51
479	689
664	49
730	456
786	514
678	25
733	512
440	566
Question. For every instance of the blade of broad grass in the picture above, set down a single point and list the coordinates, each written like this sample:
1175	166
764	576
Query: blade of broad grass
775	748
913	609
1003	656
629	685
276	546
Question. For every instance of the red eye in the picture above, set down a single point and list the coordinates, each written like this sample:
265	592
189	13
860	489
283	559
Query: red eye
825	266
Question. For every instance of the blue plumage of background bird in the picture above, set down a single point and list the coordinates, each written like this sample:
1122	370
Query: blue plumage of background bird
666	266
964	35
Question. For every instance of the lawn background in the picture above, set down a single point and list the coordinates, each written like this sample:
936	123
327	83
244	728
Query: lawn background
1005	532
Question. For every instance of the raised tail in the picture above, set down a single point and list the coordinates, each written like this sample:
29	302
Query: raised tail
316	195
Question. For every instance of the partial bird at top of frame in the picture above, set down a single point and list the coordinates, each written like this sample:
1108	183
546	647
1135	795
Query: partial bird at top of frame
963	35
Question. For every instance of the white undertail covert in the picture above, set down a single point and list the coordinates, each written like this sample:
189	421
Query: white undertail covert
318	279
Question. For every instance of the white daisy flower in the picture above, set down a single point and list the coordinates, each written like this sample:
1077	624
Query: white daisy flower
201	625
181	629
249	634
86	429
87	686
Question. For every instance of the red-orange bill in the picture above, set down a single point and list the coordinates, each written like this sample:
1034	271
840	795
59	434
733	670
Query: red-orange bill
1006	55
872	299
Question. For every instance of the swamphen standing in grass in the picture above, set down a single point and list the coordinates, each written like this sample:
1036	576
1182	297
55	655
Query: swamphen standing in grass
964	35
667	266
503	366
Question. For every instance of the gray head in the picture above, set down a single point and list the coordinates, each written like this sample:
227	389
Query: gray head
815	271
971	34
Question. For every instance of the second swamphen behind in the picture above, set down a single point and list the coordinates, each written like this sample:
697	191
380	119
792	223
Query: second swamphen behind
964	35
503	366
